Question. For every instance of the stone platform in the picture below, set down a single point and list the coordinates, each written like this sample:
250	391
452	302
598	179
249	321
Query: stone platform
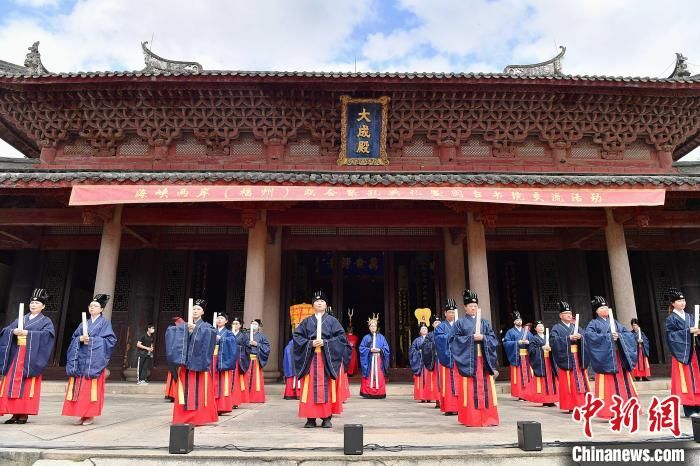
134	429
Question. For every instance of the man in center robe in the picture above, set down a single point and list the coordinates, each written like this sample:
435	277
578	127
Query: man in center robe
239	392
374	361
190	346
23	356
475	358
544	386
226	356
254	358
515	345
424	383
642	370
450	380
612	357
683	340
571	361
317	362
86	360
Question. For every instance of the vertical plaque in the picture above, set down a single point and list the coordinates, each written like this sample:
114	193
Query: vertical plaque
363	131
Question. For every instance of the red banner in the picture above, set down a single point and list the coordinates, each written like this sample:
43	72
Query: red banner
567	197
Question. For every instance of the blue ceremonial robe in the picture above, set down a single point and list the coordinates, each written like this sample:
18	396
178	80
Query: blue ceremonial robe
415	355
333	349
442	337
537	359
229	351
89	360
601	347
429	352
511	345
685	361
288	360
464	347
365	354
194	351
262	351
39	347
561	345
645	343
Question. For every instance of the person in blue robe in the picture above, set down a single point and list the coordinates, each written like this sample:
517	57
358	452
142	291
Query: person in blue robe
544	387
190	346
86	360
292	385
475	358
642	369
430	357
374	361
226	355
515	345
255	355
24	354
612	357
425	387
448	375
317	362
569	356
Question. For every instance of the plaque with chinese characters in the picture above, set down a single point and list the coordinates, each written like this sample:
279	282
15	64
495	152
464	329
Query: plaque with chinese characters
363	131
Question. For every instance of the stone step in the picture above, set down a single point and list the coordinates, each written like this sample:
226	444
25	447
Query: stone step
276	389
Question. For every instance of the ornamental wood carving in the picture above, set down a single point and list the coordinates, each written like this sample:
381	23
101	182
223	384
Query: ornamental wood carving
218	117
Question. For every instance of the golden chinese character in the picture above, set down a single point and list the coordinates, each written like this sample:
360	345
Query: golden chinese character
537	196
373	263
372	192
435	192
363	131
497	195
516	196
556	197
203	193
346	262
363	115
268	192
330	192
362	147
351	192
477	194
183	192
457	193
394	192
246	192
360	263
141	194
309	192
162	193
596	197
575	197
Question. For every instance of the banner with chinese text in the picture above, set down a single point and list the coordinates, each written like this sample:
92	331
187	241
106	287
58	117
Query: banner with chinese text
363	131
565	197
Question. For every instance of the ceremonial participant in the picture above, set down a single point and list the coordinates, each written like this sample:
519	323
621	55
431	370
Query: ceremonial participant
190	346
434	358
343	385
171	379
474	351
544	387
516	344
450	380
256	350
421	352
374	361
239	393
682	338
319	346
352	341
292	385
226	356
24	353
87	357
642	370
567	351
613	351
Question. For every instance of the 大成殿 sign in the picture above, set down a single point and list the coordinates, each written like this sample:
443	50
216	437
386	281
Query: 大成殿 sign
363	131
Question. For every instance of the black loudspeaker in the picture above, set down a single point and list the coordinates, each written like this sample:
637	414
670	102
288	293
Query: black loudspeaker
696	428
529	435
181	438
352	439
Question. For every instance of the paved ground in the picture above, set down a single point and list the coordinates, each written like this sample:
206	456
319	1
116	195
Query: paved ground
137	426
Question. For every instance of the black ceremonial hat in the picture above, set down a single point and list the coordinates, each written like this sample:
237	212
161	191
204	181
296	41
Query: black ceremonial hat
201	303
598	301
470	297
318	296
634	321
563	306
536	323
102	299
674	294
258	321
451	305
41	295
516	316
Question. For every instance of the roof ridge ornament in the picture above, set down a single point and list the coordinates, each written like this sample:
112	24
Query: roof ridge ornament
551	67
33	61
157	64
680	71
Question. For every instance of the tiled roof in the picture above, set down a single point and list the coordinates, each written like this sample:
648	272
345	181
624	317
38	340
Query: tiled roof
67	178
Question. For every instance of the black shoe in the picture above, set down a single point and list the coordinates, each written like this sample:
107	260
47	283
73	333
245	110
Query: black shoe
646	379
549	405
12	420
310	422
22	420
326	424
450	413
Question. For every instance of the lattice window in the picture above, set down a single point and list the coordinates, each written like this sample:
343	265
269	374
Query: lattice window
247	145
134	146
304	148
531	149
418	148
508	231
549	288
475	148
646	232
53	279
637	151
79	147
410	231
237	283
172	295
74	230
311	231
190	146
361	231
585	150
193	230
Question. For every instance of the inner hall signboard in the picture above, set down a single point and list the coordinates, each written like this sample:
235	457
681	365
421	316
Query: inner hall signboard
363	131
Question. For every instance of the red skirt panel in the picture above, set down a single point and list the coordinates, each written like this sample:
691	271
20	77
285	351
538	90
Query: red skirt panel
318	391
543	389
255	382
478	402
685	380
573	386
222	381
451	381
239	392
19	395
641	369
195	403
84	397
607	385
376	388
170	387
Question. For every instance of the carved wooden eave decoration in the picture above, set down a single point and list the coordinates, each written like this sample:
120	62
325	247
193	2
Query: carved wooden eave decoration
550	67
157	64
680	71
